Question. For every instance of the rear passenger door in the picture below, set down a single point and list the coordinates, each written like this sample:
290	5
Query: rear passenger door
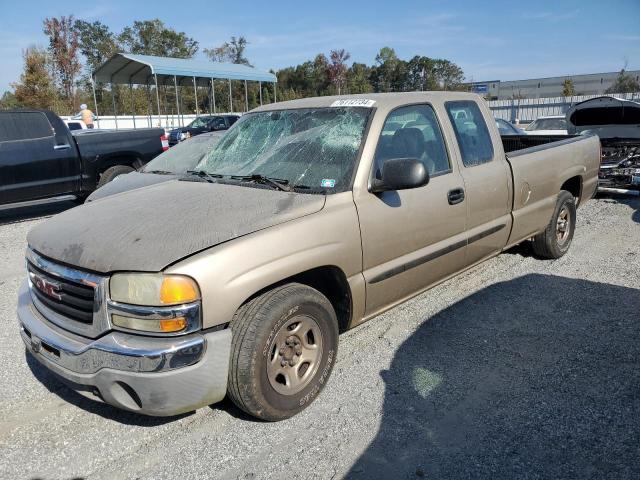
411	238
487	180
36	161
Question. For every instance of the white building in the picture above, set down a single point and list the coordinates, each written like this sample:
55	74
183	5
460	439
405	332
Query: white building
589	84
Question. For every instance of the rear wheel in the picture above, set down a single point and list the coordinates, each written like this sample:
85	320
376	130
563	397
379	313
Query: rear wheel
112	172
284	347
555	240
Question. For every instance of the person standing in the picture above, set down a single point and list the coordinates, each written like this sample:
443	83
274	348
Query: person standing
87	115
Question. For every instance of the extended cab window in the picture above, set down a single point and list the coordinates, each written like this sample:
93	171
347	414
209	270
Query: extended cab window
471	131
413	132
24	126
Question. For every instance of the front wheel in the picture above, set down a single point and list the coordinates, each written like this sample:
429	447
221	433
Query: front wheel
283	349
555	240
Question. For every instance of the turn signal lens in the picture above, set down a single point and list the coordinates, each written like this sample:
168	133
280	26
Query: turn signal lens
173	324
175	290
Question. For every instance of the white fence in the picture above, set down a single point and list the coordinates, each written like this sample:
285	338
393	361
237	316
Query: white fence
167	122
528	109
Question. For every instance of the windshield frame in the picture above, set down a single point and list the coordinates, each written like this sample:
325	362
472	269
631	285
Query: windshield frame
327	191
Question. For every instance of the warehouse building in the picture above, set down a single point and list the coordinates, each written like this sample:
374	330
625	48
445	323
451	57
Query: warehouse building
589	84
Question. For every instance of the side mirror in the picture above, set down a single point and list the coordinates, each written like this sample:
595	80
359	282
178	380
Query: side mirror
401	174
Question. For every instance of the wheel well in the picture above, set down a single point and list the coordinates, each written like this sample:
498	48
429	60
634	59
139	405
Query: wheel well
133	162
573	186
331	282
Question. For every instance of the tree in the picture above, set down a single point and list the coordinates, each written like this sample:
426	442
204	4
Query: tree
231	51
624	84
97	43
568	90
63	46
384	75
152	37
337	69
8	100
358	78
36	87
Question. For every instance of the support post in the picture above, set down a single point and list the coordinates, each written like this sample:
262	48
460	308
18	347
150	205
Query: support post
155	76
175	83
210	102
260	86
148	104
195	91
230	99
246	97
113	100
213	94
133	104
95	101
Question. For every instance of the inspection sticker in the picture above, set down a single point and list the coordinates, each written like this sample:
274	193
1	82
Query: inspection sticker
328	183
354	102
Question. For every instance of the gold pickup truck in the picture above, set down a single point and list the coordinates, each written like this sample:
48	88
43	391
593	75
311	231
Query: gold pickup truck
308	218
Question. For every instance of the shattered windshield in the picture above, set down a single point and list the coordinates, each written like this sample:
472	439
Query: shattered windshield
311	147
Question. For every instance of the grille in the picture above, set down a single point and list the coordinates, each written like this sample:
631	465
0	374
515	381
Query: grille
65	297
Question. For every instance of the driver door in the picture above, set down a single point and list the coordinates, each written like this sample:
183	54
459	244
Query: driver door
412	238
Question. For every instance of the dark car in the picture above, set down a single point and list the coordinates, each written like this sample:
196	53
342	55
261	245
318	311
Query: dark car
202	124
172	164
42	161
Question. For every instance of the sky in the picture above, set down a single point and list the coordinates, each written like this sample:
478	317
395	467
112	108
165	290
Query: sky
490	40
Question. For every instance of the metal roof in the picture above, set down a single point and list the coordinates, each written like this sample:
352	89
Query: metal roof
127	68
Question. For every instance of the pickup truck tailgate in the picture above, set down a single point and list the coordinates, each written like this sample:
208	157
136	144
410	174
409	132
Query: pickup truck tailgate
538	174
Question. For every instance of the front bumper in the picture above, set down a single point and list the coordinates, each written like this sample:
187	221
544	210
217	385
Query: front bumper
149	375
619	177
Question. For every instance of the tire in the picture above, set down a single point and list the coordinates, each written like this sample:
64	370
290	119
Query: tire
112	172
283	349
556	239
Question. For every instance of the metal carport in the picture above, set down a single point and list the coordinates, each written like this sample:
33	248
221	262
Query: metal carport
131	69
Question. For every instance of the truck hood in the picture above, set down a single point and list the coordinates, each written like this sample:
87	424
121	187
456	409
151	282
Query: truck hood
130	181
608	117
150	228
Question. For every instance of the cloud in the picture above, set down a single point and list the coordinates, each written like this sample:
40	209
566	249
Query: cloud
550	16
623	38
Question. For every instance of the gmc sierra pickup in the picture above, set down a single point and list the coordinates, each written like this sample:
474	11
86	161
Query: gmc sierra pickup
308	218
42	161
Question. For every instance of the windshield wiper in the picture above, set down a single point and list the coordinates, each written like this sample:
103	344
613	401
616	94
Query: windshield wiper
209	177
159	172
277	183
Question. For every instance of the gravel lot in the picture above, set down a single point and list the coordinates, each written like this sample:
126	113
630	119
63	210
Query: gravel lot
518	368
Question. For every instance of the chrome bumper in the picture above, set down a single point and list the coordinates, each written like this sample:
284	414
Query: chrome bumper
150	375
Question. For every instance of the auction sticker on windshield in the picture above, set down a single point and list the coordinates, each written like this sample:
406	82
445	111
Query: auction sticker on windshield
354	102
328	183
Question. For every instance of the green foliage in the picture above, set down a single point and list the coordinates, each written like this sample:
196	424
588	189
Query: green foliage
568	89
624	84
152	37
97	43
36	87
8	100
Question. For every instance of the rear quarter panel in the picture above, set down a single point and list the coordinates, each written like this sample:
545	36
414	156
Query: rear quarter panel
539	173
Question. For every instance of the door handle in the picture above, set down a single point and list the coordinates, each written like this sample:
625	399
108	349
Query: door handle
455	196
62	147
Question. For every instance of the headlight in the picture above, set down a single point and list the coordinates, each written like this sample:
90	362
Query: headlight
153	289
155	303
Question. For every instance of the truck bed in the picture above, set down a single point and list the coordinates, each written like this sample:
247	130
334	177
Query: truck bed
512	143
539	171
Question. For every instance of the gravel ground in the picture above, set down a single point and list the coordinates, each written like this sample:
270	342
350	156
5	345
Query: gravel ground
519	368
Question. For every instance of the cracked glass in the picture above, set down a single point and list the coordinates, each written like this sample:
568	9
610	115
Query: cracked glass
310	147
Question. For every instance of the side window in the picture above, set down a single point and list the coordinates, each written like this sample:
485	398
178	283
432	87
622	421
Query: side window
413	132
24	126
471	131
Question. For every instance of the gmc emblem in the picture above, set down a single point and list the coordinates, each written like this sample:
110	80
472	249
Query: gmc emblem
49	288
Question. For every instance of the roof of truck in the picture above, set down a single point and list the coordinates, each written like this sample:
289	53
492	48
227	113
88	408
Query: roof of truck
384	100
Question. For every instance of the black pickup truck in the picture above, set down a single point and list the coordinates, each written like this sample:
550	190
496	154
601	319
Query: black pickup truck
42	161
